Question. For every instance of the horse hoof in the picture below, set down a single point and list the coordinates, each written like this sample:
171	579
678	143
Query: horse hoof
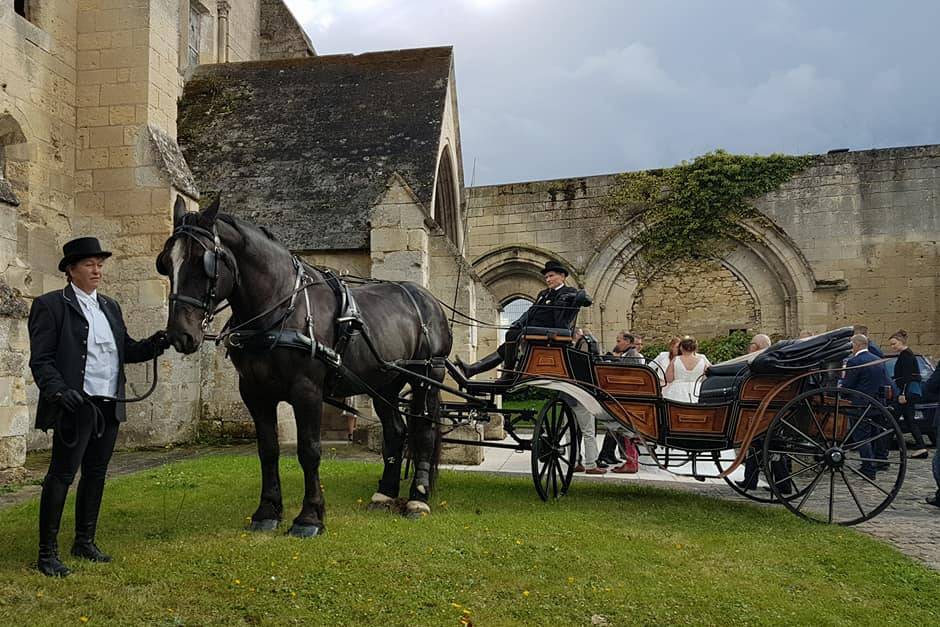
380	503
306	531
268	524
415	510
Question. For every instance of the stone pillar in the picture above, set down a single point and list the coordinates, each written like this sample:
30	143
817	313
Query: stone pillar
14	412
222	10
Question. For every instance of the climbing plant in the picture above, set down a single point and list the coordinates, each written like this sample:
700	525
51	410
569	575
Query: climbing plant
695	209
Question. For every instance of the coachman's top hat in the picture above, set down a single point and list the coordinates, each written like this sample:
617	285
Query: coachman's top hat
81	248
554	266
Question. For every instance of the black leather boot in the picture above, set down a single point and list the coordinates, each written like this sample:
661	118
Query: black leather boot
609	451
87	506
51	503
509	363
487	363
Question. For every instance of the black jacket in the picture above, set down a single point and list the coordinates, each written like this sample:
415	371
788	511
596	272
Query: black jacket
870	380
58	336
554	309
906	369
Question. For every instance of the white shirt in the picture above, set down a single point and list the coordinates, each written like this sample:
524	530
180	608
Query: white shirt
101	361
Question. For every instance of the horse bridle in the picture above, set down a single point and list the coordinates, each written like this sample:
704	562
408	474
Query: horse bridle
210	263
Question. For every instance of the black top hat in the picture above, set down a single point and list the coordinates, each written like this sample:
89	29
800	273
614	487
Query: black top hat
81	248
554	266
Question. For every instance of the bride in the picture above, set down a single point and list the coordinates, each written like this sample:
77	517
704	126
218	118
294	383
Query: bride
684	372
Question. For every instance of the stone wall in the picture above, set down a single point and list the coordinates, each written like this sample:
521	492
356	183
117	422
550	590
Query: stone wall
703	301
854	239
37	167
281	35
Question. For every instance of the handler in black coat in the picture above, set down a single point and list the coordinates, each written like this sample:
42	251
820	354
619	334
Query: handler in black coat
555	307
78	347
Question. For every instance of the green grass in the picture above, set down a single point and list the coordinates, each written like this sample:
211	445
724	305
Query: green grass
633	555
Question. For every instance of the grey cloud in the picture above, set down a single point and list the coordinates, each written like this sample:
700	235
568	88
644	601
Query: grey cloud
556	88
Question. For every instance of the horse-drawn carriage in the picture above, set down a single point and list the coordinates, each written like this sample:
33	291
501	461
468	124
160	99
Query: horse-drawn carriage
301	335
779	411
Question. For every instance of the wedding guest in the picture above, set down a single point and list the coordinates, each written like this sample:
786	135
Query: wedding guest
907	378
684	372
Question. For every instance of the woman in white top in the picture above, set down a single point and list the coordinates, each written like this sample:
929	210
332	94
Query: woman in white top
684	373
661	361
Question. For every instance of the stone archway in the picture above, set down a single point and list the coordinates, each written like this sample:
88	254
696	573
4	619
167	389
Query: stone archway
768	265
446	202
516	271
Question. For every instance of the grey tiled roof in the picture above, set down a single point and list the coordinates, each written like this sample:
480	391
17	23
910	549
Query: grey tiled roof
305	146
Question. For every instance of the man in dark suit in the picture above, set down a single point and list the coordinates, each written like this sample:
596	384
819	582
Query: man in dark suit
78	347
871	380
555	307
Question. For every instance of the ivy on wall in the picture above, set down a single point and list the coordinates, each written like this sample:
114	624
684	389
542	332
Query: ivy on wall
695	209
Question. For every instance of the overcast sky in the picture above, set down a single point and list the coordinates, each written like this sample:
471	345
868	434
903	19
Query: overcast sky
551	89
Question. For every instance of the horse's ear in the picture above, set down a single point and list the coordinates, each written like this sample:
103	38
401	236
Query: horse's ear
179	210
208	215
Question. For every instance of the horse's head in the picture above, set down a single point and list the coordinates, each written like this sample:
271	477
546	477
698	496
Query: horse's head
202	273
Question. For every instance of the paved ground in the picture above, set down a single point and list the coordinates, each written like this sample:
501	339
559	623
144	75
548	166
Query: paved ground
910	524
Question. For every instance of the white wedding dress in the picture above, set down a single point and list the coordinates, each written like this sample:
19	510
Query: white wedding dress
686	384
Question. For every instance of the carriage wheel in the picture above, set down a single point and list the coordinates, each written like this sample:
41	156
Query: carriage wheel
754	491
554	449
825	435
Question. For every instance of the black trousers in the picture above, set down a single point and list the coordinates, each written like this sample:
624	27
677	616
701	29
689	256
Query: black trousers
76	444
905	414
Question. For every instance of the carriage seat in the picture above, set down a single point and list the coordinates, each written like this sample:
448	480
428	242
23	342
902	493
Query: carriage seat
723	380
548	334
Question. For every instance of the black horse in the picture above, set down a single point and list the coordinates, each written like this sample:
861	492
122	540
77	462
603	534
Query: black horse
213	257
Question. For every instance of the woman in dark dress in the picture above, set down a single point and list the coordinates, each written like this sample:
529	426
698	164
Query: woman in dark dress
907	378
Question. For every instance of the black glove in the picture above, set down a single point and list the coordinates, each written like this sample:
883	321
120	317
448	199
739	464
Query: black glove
71	400
581	299
160	341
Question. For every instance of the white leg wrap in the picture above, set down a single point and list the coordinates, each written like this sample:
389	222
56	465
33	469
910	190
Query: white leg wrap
418	507
378	497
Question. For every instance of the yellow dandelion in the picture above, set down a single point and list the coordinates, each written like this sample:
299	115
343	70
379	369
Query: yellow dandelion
238	582
570	579
39	594
295	557
518	541
359	501
466	611
293	594
244	535
525	593
456	605
443	503
84	619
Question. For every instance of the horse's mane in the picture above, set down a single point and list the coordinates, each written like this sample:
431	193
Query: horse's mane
253	234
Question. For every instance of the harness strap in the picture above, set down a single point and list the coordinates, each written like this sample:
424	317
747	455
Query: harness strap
424	326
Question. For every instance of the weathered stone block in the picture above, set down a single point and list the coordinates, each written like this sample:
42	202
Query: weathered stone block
12	451
494	429
462	453
14	420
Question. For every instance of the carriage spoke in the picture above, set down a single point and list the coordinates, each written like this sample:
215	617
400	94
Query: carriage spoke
878	487
812	413
799	472
809	491
835	416
859	445
808	439
879	461
832	493
848	436
792	455
852	492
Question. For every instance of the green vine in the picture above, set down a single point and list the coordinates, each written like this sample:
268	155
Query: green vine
695	209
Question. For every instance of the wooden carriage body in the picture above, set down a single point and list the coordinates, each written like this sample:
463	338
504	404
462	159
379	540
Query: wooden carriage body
631	393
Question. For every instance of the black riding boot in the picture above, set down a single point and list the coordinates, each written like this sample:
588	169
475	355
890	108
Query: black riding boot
51	503
487	363
87	506
609	450
509	363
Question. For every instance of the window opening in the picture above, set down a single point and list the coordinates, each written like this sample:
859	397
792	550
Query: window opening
510	313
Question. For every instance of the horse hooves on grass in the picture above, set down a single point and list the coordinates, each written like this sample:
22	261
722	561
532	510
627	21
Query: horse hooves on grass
306	531
268	524
415	510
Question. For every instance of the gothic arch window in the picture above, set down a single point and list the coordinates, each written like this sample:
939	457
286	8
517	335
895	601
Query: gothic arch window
446	203
510	312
